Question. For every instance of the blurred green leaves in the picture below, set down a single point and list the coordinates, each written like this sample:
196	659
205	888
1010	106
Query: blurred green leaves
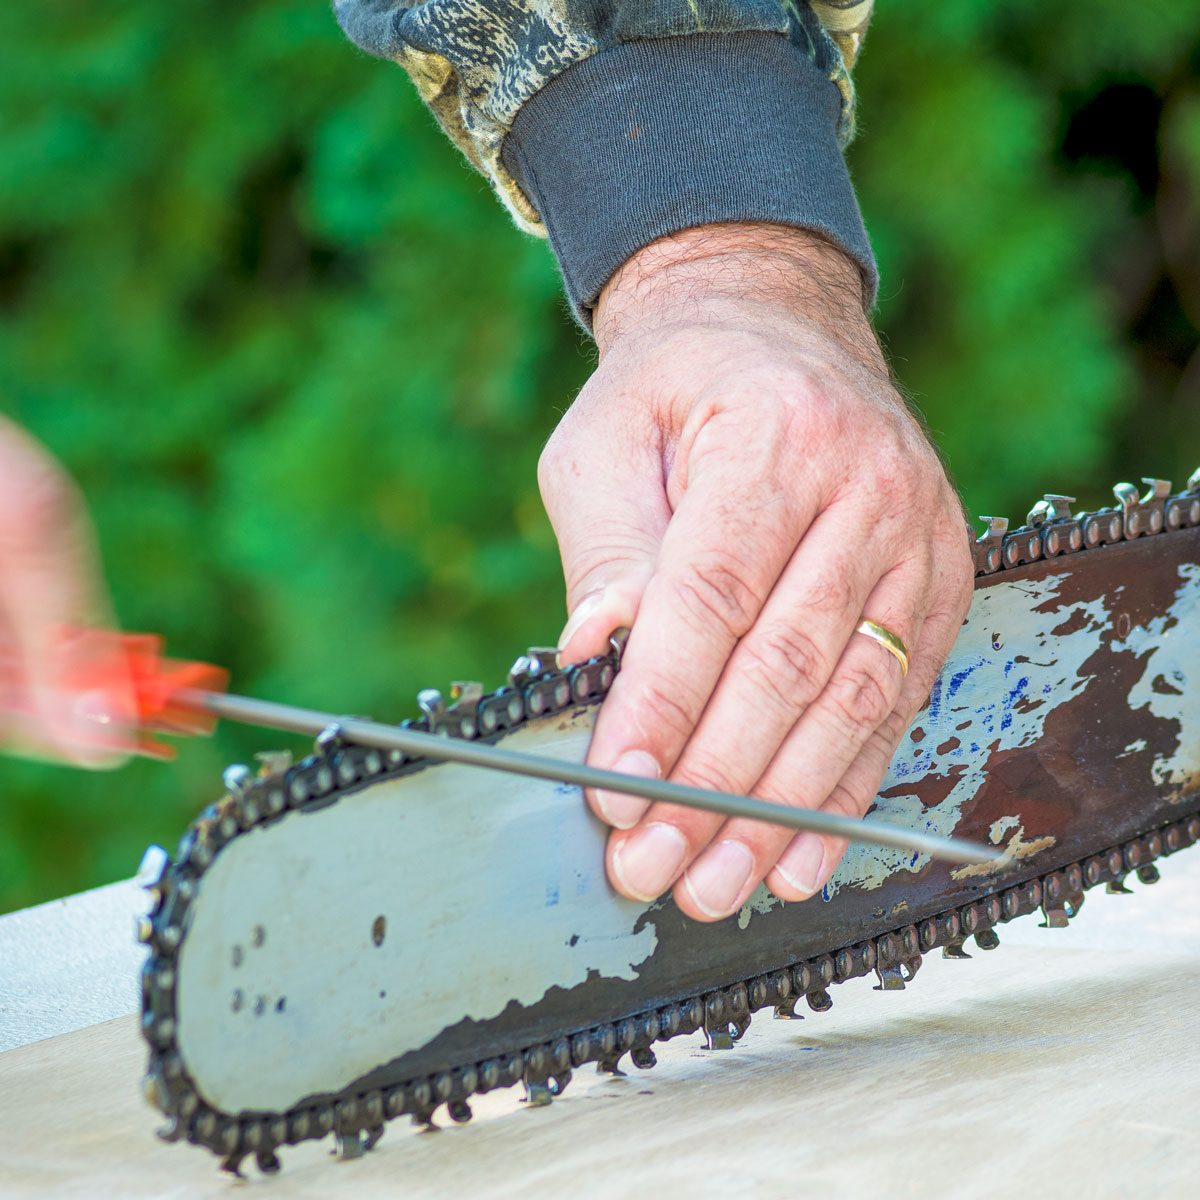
302	364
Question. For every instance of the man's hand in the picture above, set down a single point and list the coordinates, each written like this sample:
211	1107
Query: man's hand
741	484
52	608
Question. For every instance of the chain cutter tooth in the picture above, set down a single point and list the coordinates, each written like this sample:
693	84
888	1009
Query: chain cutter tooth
465	698
1184	510
1143	514
1059	529
989	546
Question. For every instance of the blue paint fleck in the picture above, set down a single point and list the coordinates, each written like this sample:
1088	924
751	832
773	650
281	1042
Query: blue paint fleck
551	895
905	768
935	699
1010	700
960	677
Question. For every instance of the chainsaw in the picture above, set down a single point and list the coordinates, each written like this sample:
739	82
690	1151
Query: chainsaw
388	927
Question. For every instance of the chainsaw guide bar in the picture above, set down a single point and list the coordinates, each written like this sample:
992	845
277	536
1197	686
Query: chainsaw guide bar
361	935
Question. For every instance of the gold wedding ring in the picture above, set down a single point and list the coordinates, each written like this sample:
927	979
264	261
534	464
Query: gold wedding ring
888	640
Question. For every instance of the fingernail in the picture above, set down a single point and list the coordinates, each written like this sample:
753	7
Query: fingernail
97	726
619	809
95	708
646	863
800	863
716	878
584	609
84	729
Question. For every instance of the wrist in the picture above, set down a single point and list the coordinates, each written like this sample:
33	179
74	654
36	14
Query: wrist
714	274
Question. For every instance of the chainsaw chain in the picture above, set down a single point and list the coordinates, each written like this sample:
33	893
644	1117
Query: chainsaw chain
538	687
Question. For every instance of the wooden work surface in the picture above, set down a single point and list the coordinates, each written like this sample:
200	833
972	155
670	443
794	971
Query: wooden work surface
1065	1061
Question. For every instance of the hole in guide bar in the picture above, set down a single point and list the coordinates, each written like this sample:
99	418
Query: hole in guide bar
281	1004
236	956
378	930
237	1001
258	936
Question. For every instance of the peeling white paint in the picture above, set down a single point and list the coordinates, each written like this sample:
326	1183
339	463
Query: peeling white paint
1017	849
984	700
1178	669
1000	826
322	878
761	901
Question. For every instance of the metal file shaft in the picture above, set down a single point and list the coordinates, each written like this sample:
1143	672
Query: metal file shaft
418	744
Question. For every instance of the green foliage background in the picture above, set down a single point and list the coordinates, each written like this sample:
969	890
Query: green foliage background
302	365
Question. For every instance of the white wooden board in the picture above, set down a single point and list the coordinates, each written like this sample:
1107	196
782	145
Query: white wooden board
1065	1061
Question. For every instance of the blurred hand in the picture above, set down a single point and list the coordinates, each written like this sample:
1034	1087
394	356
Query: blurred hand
52	612
741	484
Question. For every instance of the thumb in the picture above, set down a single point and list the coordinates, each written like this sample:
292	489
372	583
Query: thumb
605	495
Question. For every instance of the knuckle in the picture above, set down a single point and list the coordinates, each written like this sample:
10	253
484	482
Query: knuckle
847	802
890	730
704	770
612	550
833	593
718	590
787	785
859	697
669	709
785	660
788	412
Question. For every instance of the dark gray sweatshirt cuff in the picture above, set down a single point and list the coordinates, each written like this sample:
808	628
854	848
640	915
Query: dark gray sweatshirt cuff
652	137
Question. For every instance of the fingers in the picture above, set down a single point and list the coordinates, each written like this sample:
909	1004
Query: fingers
778	670
782	665
861	693
718	563
809	860
50	586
